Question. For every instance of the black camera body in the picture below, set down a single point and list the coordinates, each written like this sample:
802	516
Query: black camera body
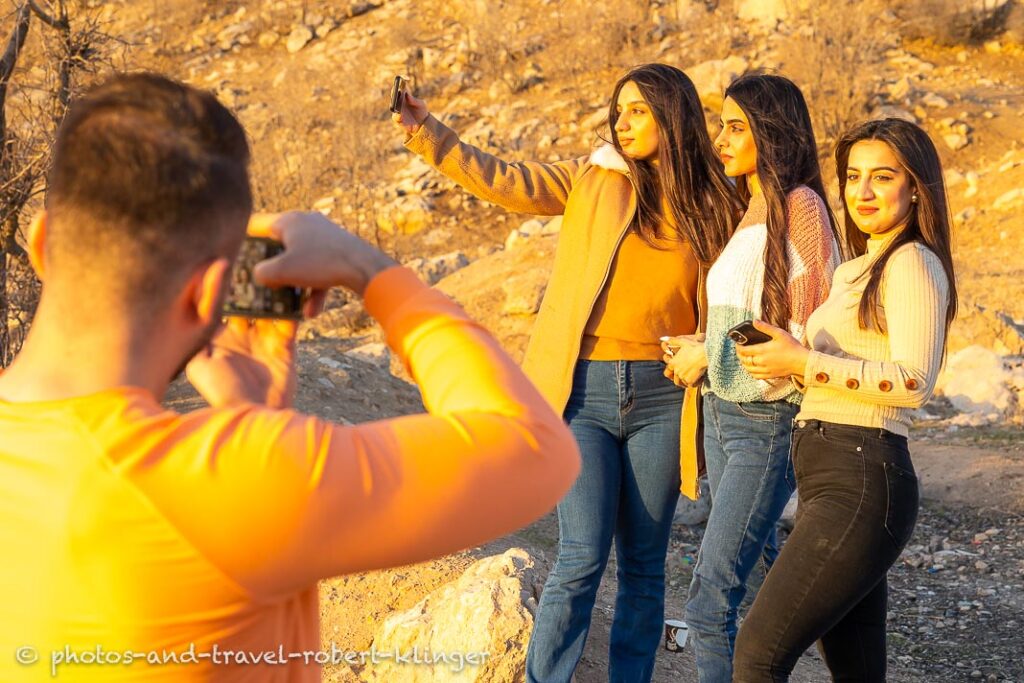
249	299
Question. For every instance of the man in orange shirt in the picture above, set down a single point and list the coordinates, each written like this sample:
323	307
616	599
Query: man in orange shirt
141	544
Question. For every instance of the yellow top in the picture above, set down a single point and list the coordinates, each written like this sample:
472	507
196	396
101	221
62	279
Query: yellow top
127	528
651	291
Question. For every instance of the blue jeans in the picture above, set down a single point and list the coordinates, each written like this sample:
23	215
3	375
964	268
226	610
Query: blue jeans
625	416
746	446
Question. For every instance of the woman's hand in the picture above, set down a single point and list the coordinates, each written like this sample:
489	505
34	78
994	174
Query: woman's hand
781	357
685	359
414	113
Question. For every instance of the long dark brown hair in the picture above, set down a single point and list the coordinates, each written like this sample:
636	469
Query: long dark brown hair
928	221
787	157
704	204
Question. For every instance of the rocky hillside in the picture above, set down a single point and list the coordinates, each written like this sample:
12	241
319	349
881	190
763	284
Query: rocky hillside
309	80
530	79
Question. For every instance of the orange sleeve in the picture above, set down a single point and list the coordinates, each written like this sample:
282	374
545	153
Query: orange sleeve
288	499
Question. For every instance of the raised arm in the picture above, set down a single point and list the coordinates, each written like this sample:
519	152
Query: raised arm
278	500
526	187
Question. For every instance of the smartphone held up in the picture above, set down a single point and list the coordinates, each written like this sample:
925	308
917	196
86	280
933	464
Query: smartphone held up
249	299
398	89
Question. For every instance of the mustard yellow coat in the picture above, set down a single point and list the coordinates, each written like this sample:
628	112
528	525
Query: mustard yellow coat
597	200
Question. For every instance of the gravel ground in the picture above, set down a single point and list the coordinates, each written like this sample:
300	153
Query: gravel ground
956	602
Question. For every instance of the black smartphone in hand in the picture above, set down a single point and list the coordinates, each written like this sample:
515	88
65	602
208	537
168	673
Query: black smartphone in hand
745	334
249	299
398	94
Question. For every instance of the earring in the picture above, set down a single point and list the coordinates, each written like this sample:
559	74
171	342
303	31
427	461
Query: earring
913	198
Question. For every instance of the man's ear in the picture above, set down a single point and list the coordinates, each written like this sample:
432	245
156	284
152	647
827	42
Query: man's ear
207	286
37	244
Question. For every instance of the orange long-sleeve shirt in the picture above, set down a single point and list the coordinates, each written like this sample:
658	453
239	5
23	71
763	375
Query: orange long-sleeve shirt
126	527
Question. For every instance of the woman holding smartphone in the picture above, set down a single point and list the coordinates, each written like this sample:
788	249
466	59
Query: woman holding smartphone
876	346
777	266
643	217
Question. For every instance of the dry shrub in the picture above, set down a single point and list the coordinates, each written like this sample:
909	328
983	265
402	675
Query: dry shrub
577	39
831	58
63	46
956	22
319	143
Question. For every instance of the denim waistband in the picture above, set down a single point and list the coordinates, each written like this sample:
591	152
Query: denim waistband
871	432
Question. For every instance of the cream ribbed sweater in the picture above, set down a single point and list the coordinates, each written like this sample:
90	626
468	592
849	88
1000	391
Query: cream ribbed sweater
860	377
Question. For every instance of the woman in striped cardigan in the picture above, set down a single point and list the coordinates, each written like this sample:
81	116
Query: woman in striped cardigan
777	266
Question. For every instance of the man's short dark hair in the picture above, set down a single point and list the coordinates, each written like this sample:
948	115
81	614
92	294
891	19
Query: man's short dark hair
149	180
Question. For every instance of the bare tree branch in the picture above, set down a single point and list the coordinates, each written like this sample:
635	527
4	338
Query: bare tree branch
61	23
14	44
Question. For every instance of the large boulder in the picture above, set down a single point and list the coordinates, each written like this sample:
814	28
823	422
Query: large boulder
406	215
473	629
433	269
766	14
694	512
983	326
983	386
503	283
711	78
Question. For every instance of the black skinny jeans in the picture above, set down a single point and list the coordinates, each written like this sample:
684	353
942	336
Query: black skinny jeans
858	506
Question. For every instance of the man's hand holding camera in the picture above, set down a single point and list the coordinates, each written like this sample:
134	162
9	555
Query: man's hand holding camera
253	361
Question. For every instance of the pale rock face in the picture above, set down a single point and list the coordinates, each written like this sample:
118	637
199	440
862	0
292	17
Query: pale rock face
486	614
407	215
523	294
375	353
766	14
711	78
1010	198
980	384
298	38
433	270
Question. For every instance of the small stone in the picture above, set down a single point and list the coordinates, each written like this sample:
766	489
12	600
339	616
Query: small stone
374	353
935	101
965	215
955	141
268	39
434	269
1006	200
324	204
523	295
324	29
298	38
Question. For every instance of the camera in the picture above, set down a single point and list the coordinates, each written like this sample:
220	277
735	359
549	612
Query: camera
249	299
